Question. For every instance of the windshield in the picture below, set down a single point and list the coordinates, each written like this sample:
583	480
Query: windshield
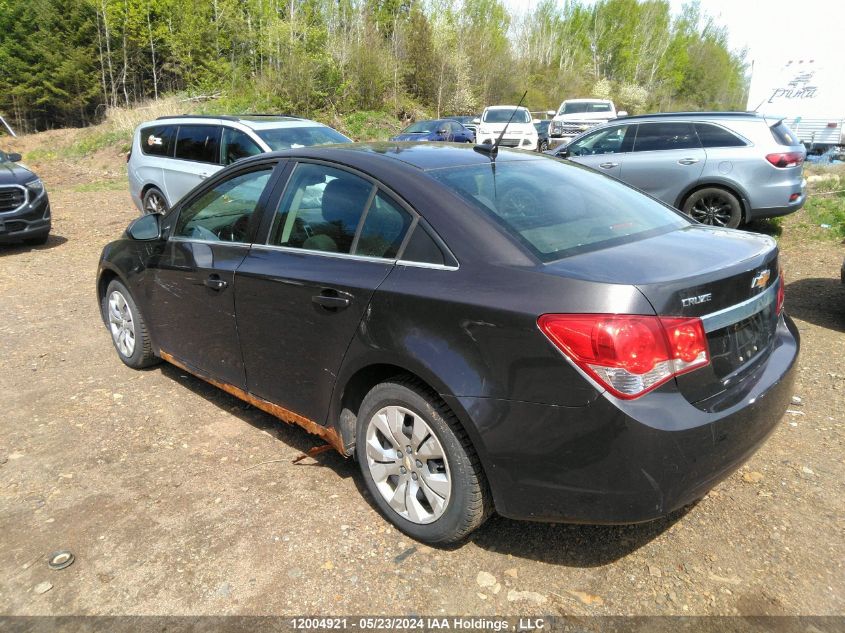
588	106
293	137
423	127
557	209
502	115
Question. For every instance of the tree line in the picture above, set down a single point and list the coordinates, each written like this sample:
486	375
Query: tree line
65	62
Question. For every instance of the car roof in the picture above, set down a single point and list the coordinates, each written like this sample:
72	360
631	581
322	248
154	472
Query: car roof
253	121
587	101
422	156
504	107
693	115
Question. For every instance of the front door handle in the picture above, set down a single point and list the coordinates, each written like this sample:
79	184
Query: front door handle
331	300
215	283
609	165
688	161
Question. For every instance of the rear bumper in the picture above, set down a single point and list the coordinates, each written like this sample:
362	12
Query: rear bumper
781	192
33	221
619	461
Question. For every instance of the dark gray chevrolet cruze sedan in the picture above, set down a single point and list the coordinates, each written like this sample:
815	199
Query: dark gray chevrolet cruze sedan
509	333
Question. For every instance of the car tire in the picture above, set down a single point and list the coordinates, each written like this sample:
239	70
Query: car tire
543	146
127	327
714	206
436	491
154	201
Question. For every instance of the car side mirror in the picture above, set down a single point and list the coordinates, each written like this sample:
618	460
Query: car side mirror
15	158
145	228
476	120
564	153
443	131
622	113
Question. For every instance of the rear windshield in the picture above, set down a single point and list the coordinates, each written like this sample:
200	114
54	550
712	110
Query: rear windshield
293	137
783	135
577	108
557	209
503	115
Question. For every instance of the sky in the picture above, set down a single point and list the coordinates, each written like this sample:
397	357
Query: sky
772	30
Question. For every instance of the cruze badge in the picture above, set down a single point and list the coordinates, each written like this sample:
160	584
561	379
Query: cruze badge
760	279
694	301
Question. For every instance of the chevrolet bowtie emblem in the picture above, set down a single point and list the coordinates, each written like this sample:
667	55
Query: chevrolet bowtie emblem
761	279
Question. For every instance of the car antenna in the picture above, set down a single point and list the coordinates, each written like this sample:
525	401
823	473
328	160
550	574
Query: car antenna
493	150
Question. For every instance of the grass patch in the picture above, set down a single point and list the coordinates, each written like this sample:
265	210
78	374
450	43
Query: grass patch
91	143
828	212
101	185
368	125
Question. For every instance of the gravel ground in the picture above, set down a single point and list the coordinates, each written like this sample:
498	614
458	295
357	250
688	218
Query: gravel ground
176	498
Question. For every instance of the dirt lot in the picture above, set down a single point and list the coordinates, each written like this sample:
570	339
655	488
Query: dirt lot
176	498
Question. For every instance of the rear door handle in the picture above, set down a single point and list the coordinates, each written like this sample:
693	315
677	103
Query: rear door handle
331	300
608	165
215	283
688	161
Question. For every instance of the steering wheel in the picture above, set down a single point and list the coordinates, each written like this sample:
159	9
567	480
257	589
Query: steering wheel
236	231
518	202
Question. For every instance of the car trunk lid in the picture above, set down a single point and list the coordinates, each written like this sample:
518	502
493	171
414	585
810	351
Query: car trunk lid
729	282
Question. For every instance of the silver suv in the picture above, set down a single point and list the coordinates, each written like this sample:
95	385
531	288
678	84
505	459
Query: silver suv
172	155
721	168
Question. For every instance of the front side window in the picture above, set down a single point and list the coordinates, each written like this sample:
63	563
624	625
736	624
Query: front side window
665	136
158	140
237	145
222	214
556	209
200	143
606	141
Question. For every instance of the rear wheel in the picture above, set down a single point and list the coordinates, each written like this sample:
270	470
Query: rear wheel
127	327
154	201
418	463
714	206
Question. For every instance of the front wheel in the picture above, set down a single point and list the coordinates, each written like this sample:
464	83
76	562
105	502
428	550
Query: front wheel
127	327
542	146
154	201
714	206
418	463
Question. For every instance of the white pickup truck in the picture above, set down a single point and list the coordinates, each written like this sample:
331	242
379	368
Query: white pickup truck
577	115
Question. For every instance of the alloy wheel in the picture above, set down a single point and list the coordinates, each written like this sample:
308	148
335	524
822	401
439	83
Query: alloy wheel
714	210
408	464
121	324
154	203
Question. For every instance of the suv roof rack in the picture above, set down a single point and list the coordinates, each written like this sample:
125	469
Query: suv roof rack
229	117
659	115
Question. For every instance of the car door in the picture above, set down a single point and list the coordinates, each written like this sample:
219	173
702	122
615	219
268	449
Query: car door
457	131
302	294
604	150
197	157
192	298
666	159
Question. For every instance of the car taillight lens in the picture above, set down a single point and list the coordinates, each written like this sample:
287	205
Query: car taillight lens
781	293
786	159
629	355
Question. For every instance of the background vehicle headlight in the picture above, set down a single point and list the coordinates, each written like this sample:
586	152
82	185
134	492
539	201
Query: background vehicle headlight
35	188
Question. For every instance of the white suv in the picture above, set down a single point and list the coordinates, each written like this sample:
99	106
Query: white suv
171	155
520	132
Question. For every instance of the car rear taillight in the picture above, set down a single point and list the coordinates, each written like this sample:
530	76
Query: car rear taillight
786	159
629	355
781	293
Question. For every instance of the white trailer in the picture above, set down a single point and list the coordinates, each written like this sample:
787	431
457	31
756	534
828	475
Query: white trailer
809	93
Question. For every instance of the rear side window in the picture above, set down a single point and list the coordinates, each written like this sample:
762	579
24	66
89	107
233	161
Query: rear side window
783	135
422	248
384	229
294	137
556	209
321	209
158	140
199	143
665	136
715	136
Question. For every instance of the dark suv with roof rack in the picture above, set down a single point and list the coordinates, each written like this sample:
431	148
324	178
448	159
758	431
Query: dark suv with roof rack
24	207
172	155
721	168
